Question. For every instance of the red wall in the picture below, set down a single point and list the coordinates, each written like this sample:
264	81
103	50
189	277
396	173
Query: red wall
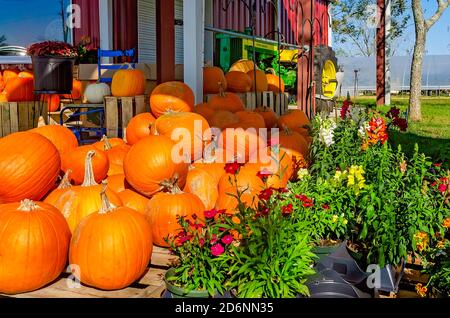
125	24
89	22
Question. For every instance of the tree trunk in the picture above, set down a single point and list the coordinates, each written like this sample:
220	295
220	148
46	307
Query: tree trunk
415	113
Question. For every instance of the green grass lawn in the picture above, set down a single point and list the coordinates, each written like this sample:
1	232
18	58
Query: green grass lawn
432	134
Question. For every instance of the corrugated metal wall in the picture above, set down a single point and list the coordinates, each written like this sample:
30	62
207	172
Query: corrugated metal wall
179	52
147	31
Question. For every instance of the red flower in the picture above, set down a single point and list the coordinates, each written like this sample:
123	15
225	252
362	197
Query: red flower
437	164
213	239
287	209
217	249
227	239
232	167
394	112
266	194
201	241
264	174
401	123
325	206
434	184
308	203
263	210
442	188
210	214
301	197
283	190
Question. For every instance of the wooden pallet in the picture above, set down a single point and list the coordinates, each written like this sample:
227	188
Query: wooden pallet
19	116
120	110
279	103
151	285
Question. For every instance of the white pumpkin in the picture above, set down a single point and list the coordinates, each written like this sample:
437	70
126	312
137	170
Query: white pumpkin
95	93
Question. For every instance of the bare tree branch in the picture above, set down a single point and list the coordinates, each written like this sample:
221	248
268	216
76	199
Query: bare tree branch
442	5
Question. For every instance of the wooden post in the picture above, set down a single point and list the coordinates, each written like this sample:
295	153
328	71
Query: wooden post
381	54
165	40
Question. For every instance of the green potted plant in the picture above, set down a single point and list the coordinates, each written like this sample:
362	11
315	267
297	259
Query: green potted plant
202	247
53	66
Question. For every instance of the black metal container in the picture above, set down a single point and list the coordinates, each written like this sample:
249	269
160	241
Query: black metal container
53	74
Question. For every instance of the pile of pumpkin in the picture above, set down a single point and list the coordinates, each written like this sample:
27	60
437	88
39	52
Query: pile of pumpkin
119	197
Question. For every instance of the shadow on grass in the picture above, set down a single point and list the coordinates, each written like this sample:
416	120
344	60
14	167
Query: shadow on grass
437	149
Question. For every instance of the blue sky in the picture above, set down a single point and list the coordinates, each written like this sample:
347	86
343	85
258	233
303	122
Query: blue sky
27	21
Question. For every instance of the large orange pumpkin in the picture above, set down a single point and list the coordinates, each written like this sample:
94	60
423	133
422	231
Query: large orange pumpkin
238	82
294	143
62	137
261	80
295	119
111	248
223	119
75	161
19	89
77	88
25	74
29	166
116	150
139	127
200	183
248	183
204	110
243	66
174	96
108	143
117	183
213	78
162	211
128	83
2	85
249	119
149	165
213	161
34	241
185	129
226	101
133	200
242	143
10	74
275	83
53	102
269	116
76	202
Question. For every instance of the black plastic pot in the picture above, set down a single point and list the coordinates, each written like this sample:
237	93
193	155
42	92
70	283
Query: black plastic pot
53	74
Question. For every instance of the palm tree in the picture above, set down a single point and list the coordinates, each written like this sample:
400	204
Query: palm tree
3	41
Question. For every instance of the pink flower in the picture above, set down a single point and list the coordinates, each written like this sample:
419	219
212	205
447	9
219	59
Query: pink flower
213	239
266	194
227	239
201	241
442	188
217	249
210	214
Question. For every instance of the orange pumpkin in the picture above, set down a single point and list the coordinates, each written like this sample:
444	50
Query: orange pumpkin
223	119
10	74
116	150
213	78
291	141
149	165
226	101
133	200
164	207
128	83
25	74
117	183
176	126
213	161
139	127
29	166
261	80
111	248
199	182
204	110
75	161
238	82
277	163
269	116
295	119
19	89
108	143
249	119
2	85
174	96
248	183
3	97
34	243
275	83
242	143
53	102
77	88
243	66
62	137
76	202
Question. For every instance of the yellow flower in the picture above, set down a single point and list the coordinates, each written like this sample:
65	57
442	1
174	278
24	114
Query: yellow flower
447	223
421	240
440	244
351	180
421	290
302	173
335	218
345	221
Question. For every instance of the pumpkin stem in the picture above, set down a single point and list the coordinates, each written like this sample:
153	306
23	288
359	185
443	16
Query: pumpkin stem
89	179
107	145
171	185
65	181
27	206
41	122
286	129
209	152
221	90
107	206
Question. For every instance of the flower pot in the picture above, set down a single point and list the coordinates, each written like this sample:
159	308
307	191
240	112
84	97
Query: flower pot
53	73
173	291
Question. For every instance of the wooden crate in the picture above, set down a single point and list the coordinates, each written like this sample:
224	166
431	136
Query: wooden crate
277	102
120	110
151	285
19	116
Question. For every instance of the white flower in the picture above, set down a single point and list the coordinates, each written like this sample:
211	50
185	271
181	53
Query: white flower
362	131
302	173
326	132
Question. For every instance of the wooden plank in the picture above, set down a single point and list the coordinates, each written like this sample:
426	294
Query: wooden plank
141	107
24	114
6	121
33	109
1	120
127	112
14	117
111	116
